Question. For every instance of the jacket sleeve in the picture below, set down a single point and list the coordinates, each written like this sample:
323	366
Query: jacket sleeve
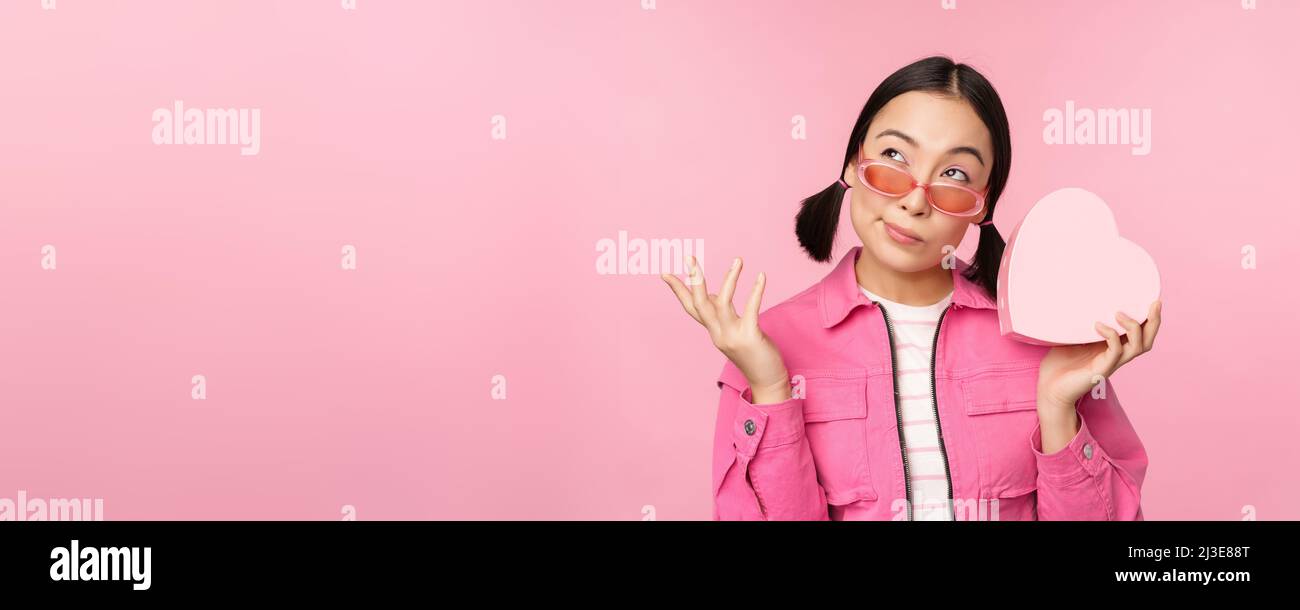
1098	475
762	465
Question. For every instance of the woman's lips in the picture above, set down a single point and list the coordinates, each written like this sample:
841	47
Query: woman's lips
901	235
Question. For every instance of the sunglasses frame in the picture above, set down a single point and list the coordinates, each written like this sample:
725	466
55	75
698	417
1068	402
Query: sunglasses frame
863	164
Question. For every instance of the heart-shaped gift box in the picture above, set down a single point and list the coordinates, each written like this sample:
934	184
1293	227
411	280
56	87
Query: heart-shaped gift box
1066	267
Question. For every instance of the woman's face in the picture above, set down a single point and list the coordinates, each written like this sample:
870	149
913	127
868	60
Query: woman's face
935	139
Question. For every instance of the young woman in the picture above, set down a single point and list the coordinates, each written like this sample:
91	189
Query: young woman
886	391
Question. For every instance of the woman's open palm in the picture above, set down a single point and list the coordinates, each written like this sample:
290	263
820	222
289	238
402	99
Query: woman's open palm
737	336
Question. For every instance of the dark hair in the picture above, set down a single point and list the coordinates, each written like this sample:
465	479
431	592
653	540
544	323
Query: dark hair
819	214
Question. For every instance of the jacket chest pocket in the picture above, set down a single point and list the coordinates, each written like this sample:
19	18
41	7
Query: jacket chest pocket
835	424
1002	410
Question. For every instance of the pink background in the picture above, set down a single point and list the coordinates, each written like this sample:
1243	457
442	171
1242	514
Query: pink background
476	256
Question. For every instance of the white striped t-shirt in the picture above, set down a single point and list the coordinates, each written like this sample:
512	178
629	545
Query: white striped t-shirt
914	329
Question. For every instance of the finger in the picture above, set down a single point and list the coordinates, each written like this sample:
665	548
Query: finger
729	287
1110	358
1133	342
1152	327
699	293
683	294
755	298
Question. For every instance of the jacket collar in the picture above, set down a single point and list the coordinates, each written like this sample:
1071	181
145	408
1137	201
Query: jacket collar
840	293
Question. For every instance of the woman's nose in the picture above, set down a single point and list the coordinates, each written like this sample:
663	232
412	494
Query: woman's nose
914	201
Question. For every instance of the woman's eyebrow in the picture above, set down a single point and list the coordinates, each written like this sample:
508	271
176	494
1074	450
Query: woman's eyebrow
910	140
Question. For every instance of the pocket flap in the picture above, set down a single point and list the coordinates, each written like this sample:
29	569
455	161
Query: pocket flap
998	391
832	394
844	498
1007	493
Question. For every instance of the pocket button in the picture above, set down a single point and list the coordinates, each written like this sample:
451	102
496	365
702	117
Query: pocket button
749	427
1087	451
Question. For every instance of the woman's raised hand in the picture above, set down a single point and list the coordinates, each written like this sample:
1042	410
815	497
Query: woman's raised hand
737	336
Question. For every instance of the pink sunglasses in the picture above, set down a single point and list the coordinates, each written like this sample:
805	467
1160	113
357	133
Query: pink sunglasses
892	181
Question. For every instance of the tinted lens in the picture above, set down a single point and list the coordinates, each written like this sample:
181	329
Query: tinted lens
888	179
952	199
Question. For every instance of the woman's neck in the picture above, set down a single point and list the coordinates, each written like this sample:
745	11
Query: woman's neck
919	288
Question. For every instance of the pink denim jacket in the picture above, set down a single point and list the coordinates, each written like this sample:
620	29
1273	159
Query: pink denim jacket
834	449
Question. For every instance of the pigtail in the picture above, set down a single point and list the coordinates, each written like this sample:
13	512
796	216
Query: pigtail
817	221
984	265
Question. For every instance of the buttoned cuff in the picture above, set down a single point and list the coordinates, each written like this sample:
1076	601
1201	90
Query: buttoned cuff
1077	460
768	425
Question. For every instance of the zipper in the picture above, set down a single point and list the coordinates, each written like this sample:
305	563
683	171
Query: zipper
934	400
898	412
